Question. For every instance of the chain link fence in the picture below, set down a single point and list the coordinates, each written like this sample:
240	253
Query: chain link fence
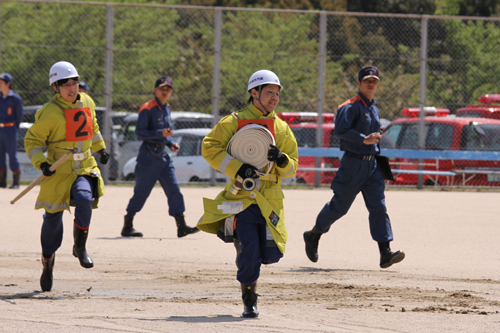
121	49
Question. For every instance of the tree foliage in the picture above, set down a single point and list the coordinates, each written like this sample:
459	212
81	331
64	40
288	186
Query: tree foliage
154	41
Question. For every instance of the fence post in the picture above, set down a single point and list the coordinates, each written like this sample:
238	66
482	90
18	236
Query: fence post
216	79
108	88
321	91
423	87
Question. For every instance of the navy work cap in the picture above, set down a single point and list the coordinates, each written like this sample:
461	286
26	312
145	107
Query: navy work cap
6	77
368	72
83	85
164	81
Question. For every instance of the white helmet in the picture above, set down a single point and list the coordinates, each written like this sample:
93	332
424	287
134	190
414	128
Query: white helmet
263	77
62	70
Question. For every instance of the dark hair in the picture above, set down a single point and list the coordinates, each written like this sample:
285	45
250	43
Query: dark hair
63	81
7	82
250	99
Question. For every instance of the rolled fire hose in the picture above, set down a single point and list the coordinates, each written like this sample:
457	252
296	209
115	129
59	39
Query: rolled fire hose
250	145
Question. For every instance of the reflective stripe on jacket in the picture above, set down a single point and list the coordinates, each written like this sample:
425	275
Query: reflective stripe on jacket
267	194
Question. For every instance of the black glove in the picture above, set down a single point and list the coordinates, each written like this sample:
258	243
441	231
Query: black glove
103	156
247	171
46	169
274	154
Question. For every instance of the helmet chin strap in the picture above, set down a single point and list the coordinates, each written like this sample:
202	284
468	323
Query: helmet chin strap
258	99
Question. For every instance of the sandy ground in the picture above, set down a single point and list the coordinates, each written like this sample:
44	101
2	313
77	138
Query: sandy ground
449	281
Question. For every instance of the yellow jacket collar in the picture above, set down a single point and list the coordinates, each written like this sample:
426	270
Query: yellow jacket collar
64	103
256	112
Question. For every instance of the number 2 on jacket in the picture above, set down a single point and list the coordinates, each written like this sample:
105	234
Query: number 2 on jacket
79	124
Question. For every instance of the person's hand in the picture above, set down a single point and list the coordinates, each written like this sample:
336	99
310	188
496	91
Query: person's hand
372	138
174	148
247	171
46	169
103	156
274	154
167	132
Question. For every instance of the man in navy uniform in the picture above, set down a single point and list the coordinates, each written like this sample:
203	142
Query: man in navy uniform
11	115
357	125
83	87
153	163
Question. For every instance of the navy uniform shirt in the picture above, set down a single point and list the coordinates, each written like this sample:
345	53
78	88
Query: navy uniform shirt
153	118
11	108
356	118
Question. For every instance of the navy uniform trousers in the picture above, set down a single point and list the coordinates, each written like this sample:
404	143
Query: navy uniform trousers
256	246
8	145
357	175
82	197
148	170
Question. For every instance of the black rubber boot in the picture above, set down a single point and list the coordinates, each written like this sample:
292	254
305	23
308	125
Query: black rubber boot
249	295
311	238
128	229
46	279
182	228
3	179
79	251
15	182
387	257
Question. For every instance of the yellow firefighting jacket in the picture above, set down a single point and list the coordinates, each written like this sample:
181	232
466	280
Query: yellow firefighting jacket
62	124
267	193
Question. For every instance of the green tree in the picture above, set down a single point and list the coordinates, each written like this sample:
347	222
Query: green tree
286	44
31	45
392	6
478	8
466	72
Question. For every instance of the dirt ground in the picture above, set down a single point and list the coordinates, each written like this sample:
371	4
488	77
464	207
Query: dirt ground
449	281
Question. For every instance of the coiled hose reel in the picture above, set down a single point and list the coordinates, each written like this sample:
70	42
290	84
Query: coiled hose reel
250	145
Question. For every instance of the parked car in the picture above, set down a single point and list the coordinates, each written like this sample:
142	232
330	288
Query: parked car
190	166
444	132
28	171
21	134
127	145
489	107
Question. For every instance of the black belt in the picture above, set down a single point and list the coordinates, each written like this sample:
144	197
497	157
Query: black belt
360	156
157	145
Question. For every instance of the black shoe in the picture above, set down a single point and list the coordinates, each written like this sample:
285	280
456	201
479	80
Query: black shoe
15	182
79	250
186	231
3	179
249	296
182	228
47	279
128	229
131	232
311	238
387	259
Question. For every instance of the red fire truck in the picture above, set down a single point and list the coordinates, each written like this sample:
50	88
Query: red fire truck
304	125
445	132
489	107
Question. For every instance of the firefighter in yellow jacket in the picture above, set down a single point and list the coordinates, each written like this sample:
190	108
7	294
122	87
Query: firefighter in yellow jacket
68	120
256	215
